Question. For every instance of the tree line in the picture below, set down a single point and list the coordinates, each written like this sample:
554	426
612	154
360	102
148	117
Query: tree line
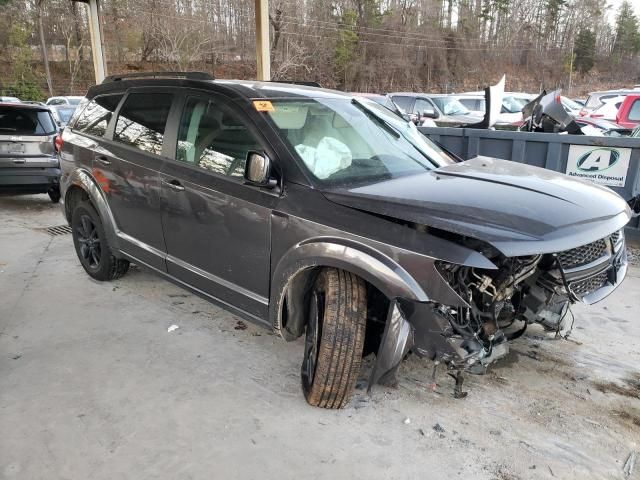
353	45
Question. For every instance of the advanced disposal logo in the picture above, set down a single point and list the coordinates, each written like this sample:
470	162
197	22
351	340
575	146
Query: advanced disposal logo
602	165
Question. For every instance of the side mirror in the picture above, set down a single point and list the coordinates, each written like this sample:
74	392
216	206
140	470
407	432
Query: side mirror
430	113
257	170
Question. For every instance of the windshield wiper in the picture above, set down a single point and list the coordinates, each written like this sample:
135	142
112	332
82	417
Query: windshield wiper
376	119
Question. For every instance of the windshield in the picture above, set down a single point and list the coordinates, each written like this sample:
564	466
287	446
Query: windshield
25	121
74	101
353	141
450	106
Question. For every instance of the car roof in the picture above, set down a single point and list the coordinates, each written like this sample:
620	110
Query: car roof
368	95
24	105
623	91
614	99
249	89
418	94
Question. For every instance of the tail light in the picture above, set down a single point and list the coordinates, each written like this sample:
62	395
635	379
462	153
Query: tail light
582	112
57	143
596	115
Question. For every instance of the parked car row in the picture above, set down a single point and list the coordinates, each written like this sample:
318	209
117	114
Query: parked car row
613	112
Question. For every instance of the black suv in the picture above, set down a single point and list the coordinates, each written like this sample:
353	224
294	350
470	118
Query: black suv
320	213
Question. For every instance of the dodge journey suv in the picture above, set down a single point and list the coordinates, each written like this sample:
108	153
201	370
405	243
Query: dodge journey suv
323	214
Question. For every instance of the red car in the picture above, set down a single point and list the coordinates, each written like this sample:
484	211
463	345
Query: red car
628	114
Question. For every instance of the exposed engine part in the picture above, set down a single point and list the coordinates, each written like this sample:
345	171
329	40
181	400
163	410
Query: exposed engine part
545	307
522	291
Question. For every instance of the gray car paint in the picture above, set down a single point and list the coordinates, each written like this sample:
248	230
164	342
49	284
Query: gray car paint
298	226
28	163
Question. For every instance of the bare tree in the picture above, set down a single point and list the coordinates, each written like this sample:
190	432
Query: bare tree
43	46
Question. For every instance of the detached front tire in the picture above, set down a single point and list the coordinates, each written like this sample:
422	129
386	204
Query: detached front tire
334	338
92	247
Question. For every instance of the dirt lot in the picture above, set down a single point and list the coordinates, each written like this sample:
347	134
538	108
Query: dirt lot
92	386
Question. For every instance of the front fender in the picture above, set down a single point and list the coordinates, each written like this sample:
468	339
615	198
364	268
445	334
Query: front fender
81	178
373	266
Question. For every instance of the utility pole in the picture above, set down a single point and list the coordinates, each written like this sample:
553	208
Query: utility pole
573	43
263	58
95	32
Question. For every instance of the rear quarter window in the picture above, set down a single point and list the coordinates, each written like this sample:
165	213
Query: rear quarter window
94	118
634	111
142	121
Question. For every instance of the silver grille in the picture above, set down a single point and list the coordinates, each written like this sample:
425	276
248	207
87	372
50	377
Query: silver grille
584	287
584	254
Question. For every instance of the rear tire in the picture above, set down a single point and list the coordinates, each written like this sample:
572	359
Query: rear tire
54	194
334	338
91	245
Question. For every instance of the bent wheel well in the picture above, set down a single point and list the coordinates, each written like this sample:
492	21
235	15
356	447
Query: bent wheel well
74	196
295	304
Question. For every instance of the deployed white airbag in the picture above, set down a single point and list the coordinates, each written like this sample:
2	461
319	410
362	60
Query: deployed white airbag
330	156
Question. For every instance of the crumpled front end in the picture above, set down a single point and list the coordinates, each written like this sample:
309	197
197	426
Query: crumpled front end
500	304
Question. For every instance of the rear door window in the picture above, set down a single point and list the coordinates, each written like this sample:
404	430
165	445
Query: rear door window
25	121
94	119
142	120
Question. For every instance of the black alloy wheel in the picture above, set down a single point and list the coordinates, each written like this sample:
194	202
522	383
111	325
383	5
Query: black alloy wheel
89	240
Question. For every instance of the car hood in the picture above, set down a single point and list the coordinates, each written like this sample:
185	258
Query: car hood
519	209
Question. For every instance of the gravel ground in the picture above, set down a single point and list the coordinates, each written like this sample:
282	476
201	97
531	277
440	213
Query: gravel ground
92	386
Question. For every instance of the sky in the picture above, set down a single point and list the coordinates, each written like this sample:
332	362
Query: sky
615	4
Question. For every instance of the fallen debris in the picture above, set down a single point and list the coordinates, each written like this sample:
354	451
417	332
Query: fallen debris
240	325
407	421
629	464
439	428
172	328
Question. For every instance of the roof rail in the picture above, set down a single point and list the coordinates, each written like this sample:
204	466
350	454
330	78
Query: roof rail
298	82
185	75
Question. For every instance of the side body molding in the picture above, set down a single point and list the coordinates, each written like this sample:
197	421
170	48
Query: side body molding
81	178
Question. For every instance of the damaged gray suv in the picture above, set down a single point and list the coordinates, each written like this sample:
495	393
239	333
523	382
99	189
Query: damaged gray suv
322	214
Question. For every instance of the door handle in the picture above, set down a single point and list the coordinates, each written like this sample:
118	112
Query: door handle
19	161
103	160
174	185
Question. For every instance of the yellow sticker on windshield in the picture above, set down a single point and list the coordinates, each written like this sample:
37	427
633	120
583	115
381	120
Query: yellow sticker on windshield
263	106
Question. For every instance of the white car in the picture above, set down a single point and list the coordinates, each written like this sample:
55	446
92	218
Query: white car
608	109
9	100
68	100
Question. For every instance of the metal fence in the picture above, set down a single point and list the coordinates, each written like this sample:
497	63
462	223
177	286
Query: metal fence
548	150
